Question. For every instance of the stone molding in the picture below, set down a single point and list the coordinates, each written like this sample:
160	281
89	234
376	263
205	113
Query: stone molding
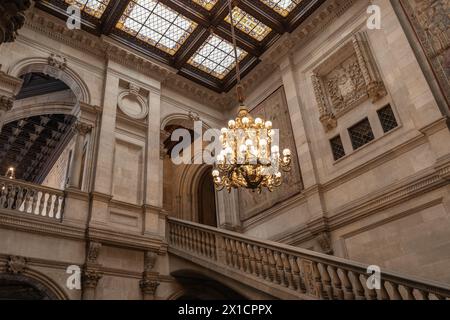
9	85
421	183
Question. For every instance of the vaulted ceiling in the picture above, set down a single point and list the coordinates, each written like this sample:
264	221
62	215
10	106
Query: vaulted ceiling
192	36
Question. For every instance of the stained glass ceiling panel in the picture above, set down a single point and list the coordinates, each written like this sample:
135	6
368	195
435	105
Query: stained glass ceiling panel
216	57
248	24
156	24
207	4
95	8
282	7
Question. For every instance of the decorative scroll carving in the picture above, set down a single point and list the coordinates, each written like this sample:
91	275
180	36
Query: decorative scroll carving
90	278
194	116
93	252
16	264
12	18
6	103
346	79
325	242
430	20
274	108
82	128
57	61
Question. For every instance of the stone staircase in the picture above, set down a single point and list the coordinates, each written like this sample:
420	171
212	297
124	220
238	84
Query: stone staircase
288	272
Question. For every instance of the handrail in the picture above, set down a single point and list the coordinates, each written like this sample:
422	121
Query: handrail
28	198
301	271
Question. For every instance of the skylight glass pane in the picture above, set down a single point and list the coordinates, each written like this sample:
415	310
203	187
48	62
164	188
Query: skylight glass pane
156	24
207	4
248	24
95	8
216	57
282	7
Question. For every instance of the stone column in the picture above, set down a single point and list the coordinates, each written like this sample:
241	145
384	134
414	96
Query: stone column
154	167
90	280
6	104
81	129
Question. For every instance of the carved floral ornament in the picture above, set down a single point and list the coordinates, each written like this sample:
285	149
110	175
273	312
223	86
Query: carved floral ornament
346	79
132	104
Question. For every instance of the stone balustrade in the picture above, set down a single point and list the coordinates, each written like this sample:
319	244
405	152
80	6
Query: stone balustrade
306	274
31	199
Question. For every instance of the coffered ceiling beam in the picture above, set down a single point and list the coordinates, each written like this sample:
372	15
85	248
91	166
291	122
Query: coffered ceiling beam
263	16
114	12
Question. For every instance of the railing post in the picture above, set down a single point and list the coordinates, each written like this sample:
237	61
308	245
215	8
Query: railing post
220	249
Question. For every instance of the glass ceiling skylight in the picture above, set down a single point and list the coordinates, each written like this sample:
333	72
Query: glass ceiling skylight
207	4
282	7
216	57
156	24
95	8
248	24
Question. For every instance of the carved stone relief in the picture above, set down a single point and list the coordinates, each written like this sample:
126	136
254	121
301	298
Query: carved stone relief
16	264
430	20
274	108
132	104
12	18
345	80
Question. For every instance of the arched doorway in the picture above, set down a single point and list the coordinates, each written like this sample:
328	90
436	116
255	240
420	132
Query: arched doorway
206	199
20	287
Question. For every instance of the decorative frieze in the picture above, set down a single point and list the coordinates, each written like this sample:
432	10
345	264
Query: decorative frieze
346	79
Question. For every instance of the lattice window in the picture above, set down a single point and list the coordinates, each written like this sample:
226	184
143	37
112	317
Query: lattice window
361	134
387	118
282	7
95	8
337	147
248	24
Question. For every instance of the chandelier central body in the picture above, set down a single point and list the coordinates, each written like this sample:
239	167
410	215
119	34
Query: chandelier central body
250	157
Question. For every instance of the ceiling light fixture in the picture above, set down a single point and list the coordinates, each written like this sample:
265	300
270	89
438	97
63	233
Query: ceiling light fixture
248	158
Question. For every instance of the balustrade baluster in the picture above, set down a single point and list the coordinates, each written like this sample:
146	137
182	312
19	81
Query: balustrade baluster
424	294
240	256
317	279
246	258
48	207
326	279
395	292
348	294
372	293
265	264
234	254
272	267
4	196
383	292
360	292
281	279
258	261
337	284
252	259
34	206
19	200
28	198
228	254
409	293
295	273
42	204
11	196
287	271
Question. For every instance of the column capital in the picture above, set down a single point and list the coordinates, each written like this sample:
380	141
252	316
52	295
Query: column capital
81	128
91	277
149	286
6	103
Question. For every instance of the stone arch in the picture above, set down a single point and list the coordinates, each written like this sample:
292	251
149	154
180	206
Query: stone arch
48	289
187	191
197	285
65	74
38	109
183	120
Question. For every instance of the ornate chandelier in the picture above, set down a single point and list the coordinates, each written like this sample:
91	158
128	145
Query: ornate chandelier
249	157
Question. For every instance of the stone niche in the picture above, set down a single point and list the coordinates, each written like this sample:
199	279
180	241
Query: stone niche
251	203
346	79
